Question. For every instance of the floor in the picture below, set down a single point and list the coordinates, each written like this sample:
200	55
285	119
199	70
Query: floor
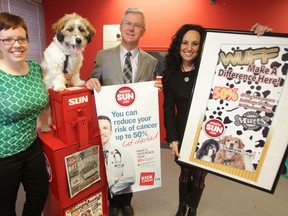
221	197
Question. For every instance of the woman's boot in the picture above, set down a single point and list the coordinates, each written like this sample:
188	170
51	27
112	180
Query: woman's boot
183	198
194	199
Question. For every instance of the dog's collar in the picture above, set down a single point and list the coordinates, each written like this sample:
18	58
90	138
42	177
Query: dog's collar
66	51
228	161
235	150
65	64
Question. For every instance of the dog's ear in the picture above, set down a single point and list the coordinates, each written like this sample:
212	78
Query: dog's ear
90	29
91	32
217	146
241	144
60	37
199	152
59	25
89	38
222	141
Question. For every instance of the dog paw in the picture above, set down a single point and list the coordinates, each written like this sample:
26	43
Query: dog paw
45	129
59	88
79	83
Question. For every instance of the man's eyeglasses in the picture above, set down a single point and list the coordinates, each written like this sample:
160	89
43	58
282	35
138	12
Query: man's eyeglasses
11	41
135	25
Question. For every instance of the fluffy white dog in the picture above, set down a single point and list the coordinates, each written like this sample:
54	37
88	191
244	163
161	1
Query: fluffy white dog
63	57
64	54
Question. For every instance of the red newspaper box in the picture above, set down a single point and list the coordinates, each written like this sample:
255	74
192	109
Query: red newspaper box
59	198
74	115
74	156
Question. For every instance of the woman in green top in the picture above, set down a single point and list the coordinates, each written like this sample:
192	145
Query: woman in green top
22	98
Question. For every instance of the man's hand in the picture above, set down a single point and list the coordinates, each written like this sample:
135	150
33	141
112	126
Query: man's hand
93	83
260	29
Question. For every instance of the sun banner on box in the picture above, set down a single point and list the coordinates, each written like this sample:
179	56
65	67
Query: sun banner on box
128	117
237	122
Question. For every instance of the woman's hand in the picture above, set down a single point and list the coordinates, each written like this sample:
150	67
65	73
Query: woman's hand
158	83
174	147
93	83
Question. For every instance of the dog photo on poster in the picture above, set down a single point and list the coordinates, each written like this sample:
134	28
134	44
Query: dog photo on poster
233	131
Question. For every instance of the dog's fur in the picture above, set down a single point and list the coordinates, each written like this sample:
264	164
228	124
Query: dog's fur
229	153
208	150
72	33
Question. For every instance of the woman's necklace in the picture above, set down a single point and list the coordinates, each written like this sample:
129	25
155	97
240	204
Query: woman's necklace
186	77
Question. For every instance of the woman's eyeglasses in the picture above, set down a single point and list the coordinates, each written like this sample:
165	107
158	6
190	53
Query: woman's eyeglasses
11	41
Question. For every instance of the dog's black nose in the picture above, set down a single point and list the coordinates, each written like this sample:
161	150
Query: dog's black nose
78	40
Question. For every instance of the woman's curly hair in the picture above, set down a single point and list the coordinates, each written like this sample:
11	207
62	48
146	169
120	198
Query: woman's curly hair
173	59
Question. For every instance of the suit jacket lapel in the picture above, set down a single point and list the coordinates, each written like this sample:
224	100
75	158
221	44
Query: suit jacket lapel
116	61
141	65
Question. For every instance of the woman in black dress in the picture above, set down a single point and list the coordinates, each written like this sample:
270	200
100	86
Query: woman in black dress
179	77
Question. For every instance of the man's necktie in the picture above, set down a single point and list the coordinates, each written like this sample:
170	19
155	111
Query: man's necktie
127	71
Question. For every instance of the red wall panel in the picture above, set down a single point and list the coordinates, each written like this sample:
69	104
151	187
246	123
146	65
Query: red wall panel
164	17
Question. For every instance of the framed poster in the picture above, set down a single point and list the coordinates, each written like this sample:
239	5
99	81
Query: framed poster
237	123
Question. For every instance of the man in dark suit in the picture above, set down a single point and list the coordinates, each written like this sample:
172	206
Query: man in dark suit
108	70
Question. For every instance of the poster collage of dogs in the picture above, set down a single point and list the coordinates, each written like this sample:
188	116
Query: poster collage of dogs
246	112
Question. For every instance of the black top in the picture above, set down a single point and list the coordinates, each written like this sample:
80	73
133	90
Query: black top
177	96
